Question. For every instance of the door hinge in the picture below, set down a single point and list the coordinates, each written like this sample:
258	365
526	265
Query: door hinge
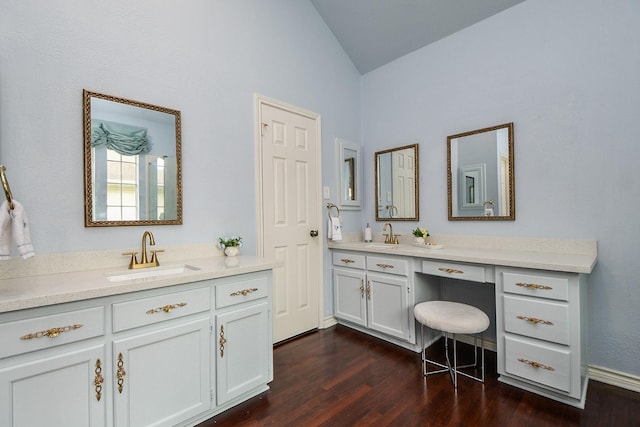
263	127
212	394
210	328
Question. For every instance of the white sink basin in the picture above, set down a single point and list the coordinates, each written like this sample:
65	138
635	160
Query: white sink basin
380	246
150	273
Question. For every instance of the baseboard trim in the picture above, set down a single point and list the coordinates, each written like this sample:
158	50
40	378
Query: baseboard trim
328	322
615	378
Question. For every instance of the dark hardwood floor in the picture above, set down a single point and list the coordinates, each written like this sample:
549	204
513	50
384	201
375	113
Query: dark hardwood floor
341	377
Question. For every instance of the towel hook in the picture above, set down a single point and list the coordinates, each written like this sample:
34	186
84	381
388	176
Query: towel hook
5	186
331	206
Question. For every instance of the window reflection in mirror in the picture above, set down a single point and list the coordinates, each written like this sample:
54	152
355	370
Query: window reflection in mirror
397	184
480	176
132	162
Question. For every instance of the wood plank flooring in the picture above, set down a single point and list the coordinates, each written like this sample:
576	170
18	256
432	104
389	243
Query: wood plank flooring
341	377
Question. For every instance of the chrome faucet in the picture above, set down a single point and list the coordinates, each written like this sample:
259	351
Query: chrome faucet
390	238
144	262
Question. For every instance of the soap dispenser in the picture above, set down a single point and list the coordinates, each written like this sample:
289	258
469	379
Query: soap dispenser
367	234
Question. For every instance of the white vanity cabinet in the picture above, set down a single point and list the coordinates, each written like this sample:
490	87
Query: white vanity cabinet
374	294
161	358
242	337
164	356
541	332
52	368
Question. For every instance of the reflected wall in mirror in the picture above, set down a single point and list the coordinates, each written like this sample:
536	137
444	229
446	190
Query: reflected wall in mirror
132	162
397	184
480	177
350	174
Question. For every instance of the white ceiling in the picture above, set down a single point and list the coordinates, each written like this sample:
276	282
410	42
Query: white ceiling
375	32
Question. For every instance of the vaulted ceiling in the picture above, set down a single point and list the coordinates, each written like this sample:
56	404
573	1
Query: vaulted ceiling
375	32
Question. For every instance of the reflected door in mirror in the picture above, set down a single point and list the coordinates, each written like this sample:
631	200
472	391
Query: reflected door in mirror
397	184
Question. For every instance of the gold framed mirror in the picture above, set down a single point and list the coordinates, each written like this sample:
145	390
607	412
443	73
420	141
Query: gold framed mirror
132	162
480	177
396	182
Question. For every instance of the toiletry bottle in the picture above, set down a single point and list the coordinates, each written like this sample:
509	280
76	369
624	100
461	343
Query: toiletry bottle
367	233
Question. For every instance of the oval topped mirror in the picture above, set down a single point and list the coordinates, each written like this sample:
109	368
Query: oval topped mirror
397	184
480	179
132	162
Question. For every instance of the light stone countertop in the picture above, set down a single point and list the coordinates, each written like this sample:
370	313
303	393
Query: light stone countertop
573	256
35	291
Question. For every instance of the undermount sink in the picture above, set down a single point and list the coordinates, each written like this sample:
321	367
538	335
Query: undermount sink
380	245
150	273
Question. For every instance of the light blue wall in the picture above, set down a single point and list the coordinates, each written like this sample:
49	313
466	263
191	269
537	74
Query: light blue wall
205	58
566	73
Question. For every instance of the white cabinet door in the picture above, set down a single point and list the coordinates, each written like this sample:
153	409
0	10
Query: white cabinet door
243	350
56	390
387	305
349	295
164	375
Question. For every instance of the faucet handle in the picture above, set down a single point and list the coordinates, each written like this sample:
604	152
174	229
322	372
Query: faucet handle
154	259
134	259
395	239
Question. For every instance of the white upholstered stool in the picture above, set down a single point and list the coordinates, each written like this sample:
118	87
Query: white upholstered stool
452	318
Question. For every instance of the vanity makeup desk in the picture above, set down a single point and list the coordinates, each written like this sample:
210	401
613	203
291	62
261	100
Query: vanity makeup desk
540	300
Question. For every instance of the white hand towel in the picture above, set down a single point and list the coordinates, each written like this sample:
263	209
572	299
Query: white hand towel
336	229
5	231
329	229
21	233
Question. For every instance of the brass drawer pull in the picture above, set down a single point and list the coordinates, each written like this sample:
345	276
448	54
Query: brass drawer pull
347	260
535	320
451	270
536	365
166	308
243	292
385	266
223	341
98	380
120	373
533	286
51	333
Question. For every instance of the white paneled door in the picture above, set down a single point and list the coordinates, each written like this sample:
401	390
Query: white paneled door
290	214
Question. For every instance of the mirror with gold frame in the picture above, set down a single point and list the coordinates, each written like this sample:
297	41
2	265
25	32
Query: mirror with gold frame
396	184
480	178
132	162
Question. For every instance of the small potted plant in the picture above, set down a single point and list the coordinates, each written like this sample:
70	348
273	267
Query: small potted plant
230	245
420	234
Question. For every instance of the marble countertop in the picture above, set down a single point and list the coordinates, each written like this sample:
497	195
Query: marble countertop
36	291
536	259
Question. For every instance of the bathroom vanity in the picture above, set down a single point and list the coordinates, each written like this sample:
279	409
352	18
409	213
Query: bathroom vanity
540	300
166	347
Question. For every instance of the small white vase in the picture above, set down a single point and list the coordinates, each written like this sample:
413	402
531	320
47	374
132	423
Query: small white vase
419	240
231	251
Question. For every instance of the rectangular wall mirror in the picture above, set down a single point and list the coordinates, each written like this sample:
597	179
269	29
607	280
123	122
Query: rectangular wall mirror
349	174
480	178
397	184
132	162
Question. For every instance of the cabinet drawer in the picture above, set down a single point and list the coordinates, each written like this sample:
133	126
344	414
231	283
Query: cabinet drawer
348	259
552	286
546	320
543	363
388	265
42	332
474	273
241	291
146	311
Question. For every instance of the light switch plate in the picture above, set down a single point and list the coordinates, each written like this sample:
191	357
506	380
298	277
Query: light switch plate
326	192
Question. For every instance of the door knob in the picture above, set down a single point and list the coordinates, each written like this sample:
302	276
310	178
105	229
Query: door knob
313	233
